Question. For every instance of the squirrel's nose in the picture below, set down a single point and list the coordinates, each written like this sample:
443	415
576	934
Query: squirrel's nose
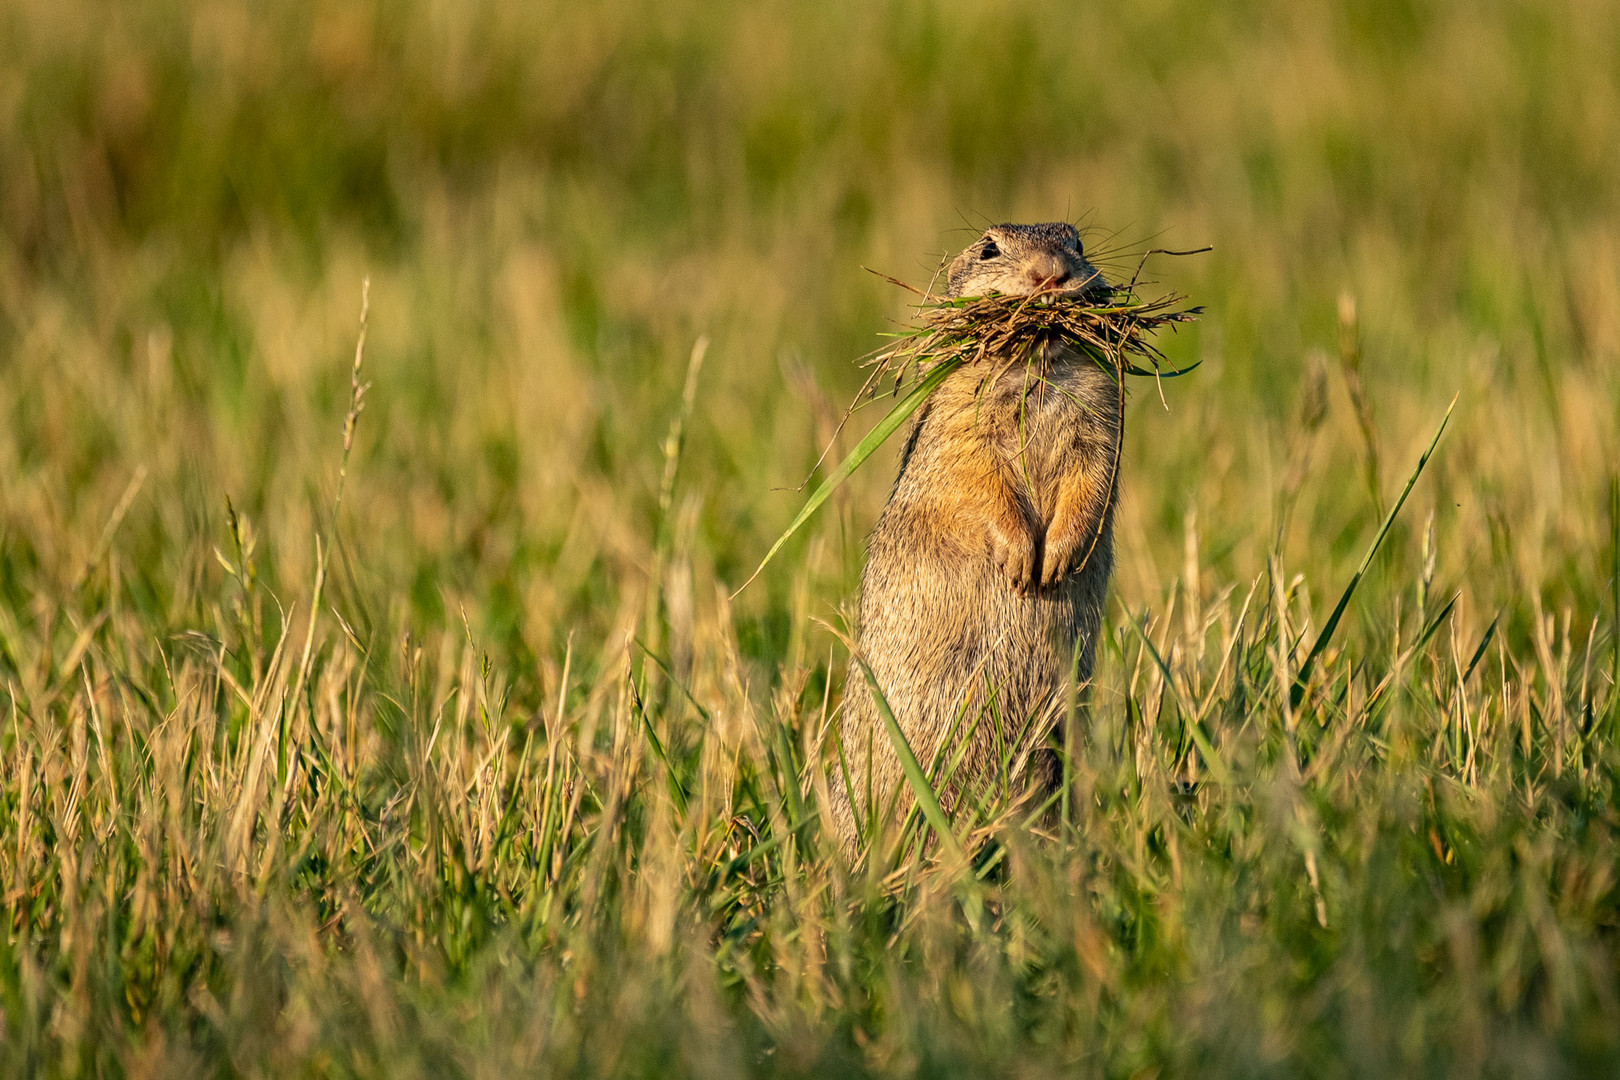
1049	271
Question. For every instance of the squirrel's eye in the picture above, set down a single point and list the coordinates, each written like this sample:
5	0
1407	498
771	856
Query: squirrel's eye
989	251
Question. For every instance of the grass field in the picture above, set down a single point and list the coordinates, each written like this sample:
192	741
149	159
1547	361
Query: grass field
424	740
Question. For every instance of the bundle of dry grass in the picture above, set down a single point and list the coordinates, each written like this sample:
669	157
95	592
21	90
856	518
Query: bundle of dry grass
1111	328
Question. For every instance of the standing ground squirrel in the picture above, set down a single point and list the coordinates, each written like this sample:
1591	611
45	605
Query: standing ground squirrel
987	571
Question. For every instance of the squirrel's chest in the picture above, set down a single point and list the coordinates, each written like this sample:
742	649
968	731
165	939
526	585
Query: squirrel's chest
1025	425
1037	422
1042	409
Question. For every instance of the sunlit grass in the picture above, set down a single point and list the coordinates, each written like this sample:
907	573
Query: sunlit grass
429	740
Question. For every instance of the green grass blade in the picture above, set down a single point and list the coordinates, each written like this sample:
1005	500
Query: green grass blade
670	675
863	450
779	745
933	813
1434	624
676	791
1326	636
1212	760
1484	643
1614	574
1150	373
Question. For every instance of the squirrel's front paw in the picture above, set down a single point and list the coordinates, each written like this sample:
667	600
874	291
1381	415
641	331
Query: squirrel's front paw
1067	548
1059	558
1015	554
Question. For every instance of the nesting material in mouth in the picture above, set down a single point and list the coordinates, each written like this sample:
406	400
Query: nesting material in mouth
1111	326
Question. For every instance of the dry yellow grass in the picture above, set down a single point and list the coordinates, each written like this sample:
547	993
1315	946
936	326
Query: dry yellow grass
455	819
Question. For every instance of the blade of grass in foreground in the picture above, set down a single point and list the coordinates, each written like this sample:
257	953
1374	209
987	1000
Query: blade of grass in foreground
676	791
863	450
1614	570
933	813
1213	762
1297	694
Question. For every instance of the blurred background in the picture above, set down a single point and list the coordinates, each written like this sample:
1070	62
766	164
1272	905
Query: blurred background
553	202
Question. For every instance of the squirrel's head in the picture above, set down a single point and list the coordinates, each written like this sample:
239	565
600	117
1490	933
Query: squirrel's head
1016	260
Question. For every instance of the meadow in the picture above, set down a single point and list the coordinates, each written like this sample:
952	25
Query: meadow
374	701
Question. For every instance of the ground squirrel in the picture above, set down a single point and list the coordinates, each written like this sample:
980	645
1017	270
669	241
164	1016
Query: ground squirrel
987	571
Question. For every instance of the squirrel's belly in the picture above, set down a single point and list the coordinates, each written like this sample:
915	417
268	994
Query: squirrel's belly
941	631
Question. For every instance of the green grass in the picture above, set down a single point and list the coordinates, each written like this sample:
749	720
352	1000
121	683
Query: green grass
478	772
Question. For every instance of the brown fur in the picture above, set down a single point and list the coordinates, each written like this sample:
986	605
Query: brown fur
987	572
